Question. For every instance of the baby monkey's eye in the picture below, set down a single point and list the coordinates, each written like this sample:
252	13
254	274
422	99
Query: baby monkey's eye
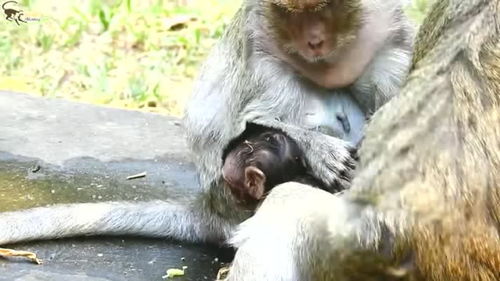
267	136
273	140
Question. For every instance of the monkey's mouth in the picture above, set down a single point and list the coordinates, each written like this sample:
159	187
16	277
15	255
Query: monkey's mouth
329	54
316	58
305	54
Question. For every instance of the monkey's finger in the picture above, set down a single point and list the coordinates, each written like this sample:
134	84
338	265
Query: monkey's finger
13	253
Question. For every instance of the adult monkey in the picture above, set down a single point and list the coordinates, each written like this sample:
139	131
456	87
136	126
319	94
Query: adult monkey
260	72
426	202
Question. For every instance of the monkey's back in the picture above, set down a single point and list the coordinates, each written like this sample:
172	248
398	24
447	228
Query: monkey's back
437	157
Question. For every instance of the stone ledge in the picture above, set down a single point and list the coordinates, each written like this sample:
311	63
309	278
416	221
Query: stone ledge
57	151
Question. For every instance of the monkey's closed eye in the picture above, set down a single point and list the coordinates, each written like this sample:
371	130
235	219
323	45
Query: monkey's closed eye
298	159
267	136
273	140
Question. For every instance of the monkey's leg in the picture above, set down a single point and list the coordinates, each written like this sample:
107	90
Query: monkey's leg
331	160
14	253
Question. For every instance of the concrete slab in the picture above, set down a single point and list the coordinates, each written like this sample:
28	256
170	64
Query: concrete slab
57	151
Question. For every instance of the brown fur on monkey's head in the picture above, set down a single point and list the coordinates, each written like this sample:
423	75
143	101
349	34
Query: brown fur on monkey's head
313	29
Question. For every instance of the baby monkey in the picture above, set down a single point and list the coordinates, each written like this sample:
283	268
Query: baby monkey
260	159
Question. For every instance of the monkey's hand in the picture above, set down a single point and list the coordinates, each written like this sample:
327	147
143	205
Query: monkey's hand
331	160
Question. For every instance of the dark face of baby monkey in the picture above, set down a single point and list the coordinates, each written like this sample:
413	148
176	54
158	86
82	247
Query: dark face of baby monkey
259	160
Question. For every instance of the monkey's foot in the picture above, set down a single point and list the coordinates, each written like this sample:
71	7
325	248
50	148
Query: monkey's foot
222	273
13	253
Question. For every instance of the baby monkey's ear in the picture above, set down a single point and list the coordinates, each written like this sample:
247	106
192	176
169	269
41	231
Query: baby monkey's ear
254	182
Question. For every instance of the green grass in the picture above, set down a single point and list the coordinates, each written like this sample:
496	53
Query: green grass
124	53
134	54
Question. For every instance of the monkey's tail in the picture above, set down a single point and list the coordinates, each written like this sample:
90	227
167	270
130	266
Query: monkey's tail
3	5
152	219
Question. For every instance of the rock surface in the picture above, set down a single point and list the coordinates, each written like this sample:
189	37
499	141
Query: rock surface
57	151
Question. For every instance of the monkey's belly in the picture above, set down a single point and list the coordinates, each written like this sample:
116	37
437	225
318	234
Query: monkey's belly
335	114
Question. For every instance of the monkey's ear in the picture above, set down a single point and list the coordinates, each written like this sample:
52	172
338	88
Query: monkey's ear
254	182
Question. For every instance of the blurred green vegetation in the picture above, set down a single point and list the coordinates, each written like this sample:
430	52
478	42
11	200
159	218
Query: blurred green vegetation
418	9
123	53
